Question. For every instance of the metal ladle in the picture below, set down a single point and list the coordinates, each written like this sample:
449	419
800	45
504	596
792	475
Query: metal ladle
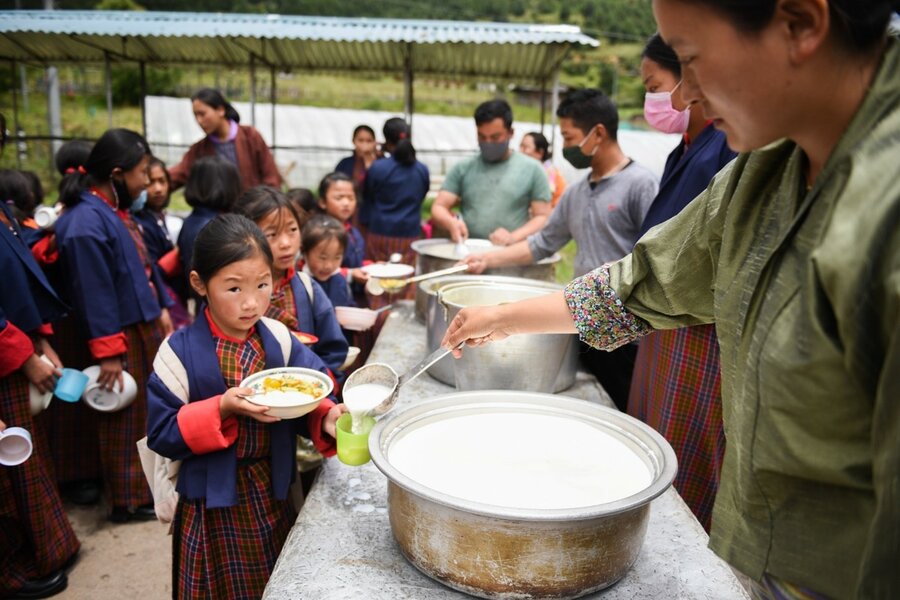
383	374
375	287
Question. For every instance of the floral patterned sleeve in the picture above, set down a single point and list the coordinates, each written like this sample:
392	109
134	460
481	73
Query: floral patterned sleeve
601	319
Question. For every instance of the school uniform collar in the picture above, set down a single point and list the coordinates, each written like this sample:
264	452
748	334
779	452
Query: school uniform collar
214	329
288	275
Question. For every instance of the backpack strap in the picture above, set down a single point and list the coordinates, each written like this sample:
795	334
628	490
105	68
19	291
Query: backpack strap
307	283
282	335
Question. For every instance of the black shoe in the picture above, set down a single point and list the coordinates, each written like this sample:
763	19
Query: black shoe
43	588
120	514
85	492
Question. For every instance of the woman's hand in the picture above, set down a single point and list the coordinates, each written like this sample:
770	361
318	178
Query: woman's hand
2	425
111	373
477	263
165	321
359	275
41	374
329	423
475	326
232	403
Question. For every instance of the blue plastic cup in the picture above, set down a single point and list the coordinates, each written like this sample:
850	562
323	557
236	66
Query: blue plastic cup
71	385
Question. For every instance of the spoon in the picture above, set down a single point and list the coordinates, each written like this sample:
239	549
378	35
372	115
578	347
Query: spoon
460	249
376	286
382	374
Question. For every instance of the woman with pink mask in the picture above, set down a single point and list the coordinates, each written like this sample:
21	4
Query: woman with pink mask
676	386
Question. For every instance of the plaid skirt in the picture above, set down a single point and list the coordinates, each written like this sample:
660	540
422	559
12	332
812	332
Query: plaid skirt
118	432
36	538
676	389
230	552
72	427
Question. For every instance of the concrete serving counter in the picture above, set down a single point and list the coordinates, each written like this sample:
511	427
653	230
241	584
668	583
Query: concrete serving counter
341	547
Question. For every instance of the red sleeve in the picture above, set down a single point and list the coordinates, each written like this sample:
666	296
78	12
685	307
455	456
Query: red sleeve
108	346
17	348
202	427
324	443
45	330
44	251
170	263
368	262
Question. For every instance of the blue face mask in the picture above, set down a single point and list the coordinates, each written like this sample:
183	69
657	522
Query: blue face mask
139	202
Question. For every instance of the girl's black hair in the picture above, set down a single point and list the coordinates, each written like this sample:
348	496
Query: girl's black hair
72	154
363	128
116	149
662	54
37	189
214	182
214	98
397	136
259	201
225	240
540	144
858	25
15	192
321	228
156	162
304	202
329	180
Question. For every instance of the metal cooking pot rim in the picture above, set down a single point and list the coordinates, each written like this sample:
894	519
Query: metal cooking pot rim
657	450
421	247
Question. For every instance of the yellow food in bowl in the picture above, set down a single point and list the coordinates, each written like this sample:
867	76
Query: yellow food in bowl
392	285
288	383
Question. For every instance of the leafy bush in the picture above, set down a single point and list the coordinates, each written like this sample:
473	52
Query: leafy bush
126	83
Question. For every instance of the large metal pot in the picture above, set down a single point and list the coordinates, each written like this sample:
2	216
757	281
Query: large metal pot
503	553
438	253
436	315
531	362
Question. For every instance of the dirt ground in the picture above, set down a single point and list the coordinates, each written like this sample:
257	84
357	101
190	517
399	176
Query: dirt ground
122	561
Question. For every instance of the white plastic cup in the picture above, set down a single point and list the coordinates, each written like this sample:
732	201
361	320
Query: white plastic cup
15	446
45	216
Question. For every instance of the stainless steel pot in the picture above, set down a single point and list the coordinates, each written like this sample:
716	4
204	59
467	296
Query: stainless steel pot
503	553
436	315
531	362
437	253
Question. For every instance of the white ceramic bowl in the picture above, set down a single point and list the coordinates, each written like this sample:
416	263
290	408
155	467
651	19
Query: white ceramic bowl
352	355
288	405
355	319
36	399
108	400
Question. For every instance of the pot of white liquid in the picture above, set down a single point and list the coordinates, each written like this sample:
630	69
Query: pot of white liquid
532	362
520	495
439	253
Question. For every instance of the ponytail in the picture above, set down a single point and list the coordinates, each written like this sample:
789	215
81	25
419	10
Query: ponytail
397	135
71	185
215	99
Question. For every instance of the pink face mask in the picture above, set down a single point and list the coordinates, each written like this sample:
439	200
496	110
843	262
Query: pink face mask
662	116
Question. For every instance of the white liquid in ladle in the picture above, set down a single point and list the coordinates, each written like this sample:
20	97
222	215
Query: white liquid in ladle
362	399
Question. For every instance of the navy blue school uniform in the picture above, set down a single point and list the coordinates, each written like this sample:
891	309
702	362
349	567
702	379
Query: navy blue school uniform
117	310
355	252
193	223
684	171
337	290
393	197
156	235
36	538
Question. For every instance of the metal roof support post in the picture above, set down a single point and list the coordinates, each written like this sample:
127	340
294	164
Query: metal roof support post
543	103
408	101
15	101
144	98
272	92
253	90
109	102
554	104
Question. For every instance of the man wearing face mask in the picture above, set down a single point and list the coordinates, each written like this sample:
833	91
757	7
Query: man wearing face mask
503	195
602	212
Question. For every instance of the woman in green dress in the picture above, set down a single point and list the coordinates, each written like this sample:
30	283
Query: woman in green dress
793	252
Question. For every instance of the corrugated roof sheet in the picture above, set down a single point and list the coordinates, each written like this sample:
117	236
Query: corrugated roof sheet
289	42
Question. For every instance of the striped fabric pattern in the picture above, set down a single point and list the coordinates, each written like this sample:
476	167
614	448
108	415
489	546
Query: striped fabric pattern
230	552
774	588
119	431
676	389
36	538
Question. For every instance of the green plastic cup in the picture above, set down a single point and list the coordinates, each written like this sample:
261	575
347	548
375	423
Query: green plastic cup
353	448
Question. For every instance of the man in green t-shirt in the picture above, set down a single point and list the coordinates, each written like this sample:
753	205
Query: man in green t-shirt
504	196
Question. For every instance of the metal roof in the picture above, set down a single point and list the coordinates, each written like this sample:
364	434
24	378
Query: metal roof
289	42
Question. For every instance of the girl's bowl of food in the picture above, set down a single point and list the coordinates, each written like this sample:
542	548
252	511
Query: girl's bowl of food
355	319
289	392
